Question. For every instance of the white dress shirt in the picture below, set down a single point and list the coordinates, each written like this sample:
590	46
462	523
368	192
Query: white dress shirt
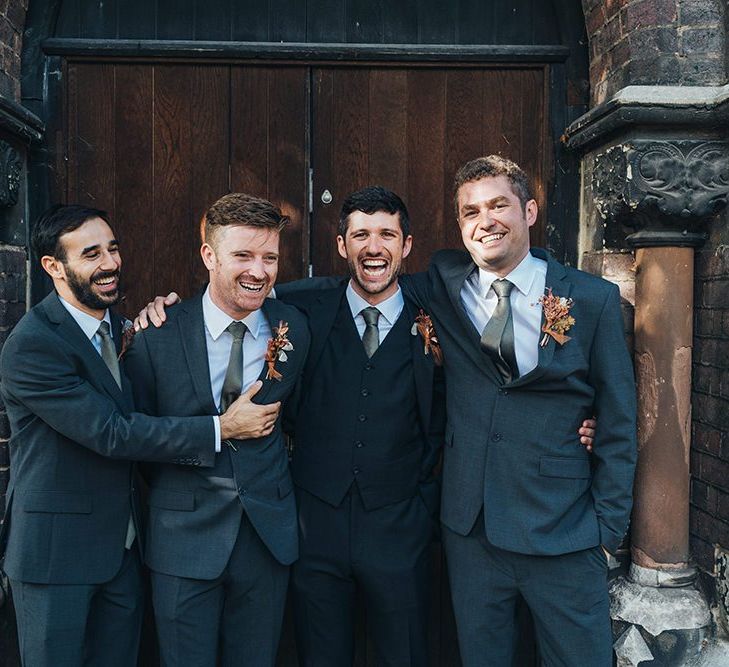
529	279
390	310
219	342
88	323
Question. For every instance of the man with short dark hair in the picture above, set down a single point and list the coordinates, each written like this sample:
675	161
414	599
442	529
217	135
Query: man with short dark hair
71	523
368	431
531	348
220	541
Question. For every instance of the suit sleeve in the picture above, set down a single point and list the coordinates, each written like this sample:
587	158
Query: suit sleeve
611	375
288	291
416	287
44	381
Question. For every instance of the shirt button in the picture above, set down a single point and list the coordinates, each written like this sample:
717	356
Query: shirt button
496	437
369	367
362	418
365	392
359	444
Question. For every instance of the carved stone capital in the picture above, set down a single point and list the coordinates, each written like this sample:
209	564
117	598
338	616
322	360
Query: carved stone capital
10	170
664	190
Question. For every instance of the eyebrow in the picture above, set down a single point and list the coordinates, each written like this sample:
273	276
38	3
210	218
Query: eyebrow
91	248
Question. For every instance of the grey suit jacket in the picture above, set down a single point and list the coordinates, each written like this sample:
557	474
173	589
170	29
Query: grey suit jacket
512	449
195	513
72	431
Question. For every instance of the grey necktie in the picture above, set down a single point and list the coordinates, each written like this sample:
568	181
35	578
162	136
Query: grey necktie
498	335
233	381
108	352
371	336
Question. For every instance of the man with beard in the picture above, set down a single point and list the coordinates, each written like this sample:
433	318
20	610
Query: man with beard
71	522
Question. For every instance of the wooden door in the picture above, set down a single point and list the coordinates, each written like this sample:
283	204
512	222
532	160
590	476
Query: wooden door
156	144
409	129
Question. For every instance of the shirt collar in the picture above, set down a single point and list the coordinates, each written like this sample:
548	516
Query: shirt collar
88	323
217	320
390	308
522	276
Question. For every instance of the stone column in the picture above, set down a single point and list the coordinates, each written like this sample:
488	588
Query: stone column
664	191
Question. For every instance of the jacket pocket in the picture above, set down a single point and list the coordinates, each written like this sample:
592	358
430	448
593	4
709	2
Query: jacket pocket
57	502
172	500
558	466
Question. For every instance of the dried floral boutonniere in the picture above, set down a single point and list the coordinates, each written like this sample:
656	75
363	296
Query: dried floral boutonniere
424	326
128	333
277	348
557	317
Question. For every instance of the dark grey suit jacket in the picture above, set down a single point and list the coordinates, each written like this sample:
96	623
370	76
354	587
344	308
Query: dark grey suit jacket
512	449
194	513
72	431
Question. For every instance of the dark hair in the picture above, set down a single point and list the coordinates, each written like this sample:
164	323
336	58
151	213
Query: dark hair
60	219
492	166
373	200
238	208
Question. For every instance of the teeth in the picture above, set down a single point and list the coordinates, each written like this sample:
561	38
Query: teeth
492	237
105	281
250	287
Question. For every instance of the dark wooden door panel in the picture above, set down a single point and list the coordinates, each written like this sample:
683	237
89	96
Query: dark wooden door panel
409	130
155	145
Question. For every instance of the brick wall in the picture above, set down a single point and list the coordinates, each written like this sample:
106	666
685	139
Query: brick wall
710	441
649	42
12	22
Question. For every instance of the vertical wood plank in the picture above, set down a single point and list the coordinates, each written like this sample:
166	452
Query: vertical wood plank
364	21
287	176
287	21
388	129
133	220
249	130
136	19
209	105
426	178
93	143
325	21
68	23
212	19
436	22
98	19
172	229
400	22
250	21
175	19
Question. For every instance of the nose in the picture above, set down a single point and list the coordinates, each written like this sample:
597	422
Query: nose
256	269
374	245
110	261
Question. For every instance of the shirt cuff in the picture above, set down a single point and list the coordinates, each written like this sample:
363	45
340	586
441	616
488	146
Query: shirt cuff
216	422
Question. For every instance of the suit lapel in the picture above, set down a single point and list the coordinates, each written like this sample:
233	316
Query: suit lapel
191	332
72	334
422	369
557	280
117	331
454	277
321	317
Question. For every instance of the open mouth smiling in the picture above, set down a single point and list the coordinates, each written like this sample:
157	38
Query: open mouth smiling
492	238
374	267
251	287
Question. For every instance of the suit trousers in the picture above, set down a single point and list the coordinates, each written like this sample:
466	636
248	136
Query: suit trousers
234	619
97	625
384	553
566	594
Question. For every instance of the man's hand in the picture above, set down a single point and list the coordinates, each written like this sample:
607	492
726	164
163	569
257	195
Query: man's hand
154	311
245	419
587	433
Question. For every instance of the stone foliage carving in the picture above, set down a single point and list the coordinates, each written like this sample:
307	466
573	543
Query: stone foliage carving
662	188
10	170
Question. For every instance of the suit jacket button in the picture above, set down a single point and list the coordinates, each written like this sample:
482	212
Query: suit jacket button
368	367
362	418
504	392
359	444
365	392
356	470
496	437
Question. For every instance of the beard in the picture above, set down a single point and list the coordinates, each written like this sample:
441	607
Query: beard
83	289
373	287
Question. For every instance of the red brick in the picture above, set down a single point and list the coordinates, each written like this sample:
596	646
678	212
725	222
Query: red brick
715	471
595	19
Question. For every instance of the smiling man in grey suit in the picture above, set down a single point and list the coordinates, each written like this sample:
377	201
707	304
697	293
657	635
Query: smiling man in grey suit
72	522
220	541
525	509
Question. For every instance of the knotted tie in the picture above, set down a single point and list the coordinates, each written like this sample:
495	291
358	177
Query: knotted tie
233	382
497	338
371	336
108	352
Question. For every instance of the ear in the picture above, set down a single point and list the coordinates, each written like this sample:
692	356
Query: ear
208	256
53	267
407	246
530	211
341	247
